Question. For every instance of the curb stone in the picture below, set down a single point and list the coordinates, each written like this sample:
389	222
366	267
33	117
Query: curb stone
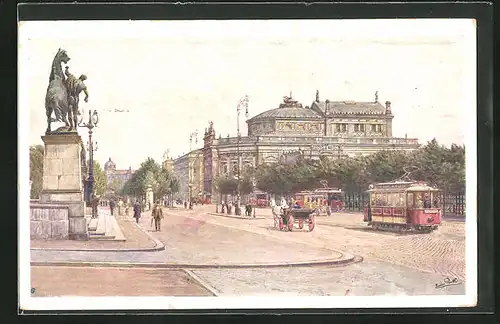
202	282
159	246
335	262
237	217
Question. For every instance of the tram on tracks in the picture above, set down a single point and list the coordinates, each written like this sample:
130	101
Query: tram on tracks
403	206
321	199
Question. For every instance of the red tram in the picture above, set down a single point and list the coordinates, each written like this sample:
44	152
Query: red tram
404	206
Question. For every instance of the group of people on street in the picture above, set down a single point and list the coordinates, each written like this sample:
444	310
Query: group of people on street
227	207
156	214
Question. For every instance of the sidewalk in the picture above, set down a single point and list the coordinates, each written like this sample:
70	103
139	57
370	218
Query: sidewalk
137	239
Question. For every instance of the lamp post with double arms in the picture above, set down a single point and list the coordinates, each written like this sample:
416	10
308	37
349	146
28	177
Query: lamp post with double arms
90	124
192	136
243	103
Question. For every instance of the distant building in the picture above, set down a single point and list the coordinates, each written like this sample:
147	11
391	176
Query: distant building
112	173
331	129
188	169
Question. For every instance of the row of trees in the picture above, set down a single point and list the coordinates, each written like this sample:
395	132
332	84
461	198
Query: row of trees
439	166
151	174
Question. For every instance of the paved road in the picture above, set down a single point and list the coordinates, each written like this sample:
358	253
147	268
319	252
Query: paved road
393	264
441	252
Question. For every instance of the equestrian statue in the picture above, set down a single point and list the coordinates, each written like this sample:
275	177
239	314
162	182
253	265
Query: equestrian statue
63	95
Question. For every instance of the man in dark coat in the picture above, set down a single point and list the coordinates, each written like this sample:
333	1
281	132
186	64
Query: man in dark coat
137	211
112	206
157	215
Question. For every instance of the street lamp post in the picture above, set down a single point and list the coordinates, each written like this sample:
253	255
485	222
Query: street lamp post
91	148
242	103
90	124
192	136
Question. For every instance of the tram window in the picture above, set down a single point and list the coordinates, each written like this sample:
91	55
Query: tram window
419	200
402	199
389	199
395	199
409	200
381	199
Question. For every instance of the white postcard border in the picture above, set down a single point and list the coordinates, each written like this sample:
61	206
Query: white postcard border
27	302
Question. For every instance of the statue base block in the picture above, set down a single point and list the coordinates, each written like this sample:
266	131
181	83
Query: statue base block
62	182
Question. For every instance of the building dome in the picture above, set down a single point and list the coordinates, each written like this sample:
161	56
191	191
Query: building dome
109	165
288	109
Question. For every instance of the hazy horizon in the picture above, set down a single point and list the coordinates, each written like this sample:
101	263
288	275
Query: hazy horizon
175	76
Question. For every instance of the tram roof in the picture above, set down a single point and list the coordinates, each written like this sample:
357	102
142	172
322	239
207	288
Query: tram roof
402	186
322	191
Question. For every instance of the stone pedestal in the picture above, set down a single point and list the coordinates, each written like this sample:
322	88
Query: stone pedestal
62	180
149	196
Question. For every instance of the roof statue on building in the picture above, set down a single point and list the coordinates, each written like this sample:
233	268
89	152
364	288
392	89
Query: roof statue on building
317	95
288	101
376	96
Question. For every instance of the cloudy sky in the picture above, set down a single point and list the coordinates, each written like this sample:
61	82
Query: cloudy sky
173	77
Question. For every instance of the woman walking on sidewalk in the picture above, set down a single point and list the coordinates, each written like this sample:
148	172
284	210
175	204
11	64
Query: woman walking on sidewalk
137	211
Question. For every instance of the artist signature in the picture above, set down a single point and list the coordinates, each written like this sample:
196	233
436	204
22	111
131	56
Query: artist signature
448	282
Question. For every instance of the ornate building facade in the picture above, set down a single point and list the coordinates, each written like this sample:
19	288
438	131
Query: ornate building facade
332	129
112	173
189	171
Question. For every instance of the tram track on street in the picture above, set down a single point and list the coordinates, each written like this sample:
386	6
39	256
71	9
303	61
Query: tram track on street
432	253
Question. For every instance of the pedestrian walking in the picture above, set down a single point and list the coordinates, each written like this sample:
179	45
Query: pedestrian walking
112	207
137	211
157	215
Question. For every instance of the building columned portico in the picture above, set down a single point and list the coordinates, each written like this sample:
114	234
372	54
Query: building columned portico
331	129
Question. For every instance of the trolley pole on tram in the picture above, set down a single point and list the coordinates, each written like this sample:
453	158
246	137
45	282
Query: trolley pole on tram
242	103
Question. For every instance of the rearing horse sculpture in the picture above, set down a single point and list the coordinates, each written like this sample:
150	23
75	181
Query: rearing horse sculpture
56	99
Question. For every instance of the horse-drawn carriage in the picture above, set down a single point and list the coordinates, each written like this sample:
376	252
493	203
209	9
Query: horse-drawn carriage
290	216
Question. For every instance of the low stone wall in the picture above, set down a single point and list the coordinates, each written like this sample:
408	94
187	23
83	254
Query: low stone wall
49	221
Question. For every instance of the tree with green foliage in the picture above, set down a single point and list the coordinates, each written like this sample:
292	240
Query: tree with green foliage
435	164
150	174
275	179
116	185
100	180
36	170
246	186
226	185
